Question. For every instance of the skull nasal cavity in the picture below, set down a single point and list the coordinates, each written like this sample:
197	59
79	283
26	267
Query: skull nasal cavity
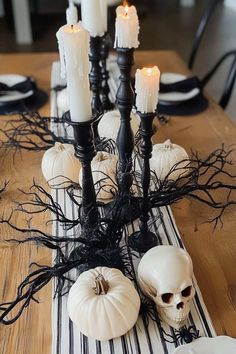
180	305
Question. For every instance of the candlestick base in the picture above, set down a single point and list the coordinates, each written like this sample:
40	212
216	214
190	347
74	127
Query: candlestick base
128	209
141	241
99	246
76	254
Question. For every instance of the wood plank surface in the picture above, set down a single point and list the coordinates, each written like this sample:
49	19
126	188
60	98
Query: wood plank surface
214	254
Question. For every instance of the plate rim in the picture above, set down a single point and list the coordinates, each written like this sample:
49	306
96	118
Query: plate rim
190	94
16	95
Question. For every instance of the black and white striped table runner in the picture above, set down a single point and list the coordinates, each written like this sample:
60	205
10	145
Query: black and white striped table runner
143	339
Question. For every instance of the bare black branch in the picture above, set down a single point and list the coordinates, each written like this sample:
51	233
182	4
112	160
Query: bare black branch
3	187
208	180
31	132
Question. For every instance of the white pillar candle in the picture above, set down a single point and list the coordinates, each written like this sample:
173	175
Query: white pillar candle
75	66
71	14
147	88
127	27
94	16
105	15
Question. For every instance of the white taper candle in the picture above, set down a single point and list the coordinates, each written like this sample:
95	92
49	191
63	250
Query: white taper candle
75	66
127	27
71	14
147	88
94	16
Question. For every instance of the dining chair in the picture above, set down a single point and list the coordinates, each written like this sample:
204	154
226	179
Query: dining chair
230	78
210	8
231	75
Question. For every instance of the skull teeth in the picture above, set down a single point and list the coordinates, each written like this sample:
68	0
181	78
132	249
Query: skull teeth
176	319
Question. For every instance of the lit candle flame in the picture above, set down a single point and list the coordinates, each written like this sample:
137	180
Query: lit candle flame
149	71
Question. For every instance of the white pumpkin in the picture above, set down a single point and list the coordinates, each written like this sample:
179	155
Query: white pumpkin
62	101
109	124
59	165
104	170
103	303
165	156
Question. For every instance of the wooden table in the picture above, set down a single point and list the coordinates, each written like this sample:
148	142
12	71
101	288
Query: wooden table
213	254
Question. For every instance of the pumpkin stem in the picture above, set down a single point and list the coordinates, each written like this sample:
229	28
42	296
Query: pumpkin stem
101	156
60	146
168	144
101	285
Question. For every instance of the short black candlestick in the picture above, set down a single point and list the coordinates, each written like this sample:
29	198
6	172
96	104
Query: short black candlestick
105	90
95	74
144	239
85	152
125	101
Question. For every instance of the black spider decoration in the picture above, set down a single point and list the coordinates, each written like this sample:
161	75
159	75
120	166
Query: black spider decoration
184	335
187	335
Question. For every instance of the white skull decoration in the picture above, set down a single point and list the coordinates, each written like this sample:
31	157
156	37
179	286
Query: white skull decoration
165	274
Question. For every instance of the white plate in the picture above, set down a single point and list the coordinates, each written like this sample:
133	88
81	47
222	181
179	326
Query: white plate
12	96
216	345
175	97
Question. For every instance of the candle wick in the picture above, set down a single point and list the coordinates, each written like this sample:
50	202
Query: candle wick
72	27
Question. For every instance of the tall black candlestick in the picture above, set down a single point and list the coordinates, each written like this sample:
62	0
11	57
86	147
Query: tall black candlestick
95	74
125	101
85	152
144	239
105	90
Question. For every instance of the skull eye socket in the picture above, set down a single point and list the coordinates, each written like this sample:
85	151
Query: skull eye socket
186	292
166	297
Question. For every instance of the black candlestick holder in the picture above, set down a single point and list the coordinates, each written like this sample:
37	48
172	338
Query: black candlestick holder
85	152
105	90
144	239
95	74
127	204
125	101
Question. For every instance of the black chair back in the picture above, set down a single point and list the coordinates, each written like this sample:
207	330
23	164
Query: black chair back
201	30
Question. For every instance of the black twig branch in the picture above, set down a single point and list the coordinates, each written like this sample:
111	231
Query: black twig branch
31	285
98	246
31	132
3	187
206	180
41	201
